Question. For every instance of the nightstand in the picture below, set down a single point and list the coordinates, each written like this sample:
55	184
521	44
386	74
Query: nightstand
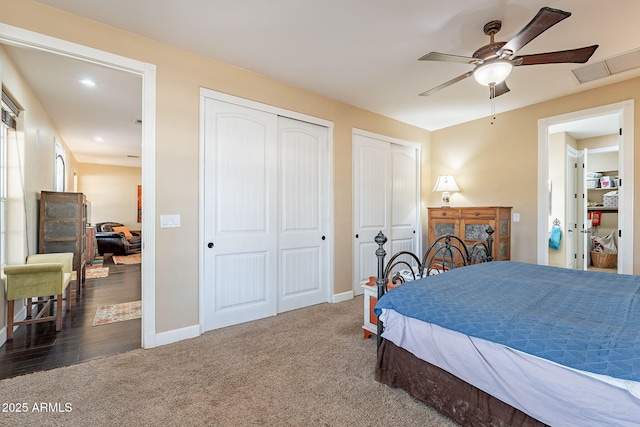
370	325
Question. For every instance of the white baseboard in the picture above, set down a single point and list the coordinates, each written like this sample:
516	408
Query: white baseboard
193	331
175	335
344	296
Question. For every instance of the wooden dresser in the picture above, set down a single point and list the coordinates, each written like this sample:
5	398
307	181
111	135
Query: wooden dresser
470	224
63	227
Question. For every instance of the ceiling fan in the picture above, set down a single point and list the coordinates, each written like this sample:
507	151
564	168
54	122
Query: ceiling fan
494	62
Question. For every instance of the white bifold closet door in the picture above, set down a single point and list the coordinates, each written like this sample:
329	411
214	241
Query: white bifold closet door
385	193
265	221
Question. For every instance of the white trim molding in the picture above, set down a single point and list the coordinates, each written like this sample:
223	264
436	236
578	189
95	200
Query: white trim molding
342	297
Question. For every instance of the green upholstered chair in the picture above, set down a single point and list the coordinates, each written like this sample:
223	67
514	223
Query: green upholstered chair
44	275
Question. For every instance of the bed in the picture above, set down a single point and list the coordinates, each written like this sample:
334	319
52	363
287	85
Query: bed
510	343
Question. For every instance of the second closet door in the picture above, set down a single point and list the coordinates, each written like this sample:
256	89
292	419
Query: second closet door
385	195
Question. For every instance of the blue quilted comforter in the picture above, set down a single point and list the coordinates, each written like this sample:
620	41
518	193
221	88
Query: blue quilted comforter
585	320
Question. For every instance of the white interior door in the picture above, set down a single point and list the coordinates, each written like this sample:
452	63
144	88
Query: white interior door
241	224
371	204
304	216
584	226
572	203
404	193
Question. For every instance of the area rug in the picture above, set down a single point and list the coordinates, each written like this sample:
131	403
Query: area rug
112	313
96	272
129	259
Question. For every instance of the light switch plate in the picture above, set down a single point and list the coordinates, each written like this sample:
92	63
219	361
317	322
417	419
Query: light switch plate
516	217
169	221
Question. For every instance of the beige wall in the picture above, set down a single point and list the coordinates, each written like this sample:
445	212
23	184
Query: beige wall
598	142
31	151
497	163
31	168
112	191
180	75
558	177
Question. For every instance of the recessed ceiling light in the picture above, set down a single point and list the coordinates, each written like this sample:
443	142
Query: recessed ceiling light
99	139
89	82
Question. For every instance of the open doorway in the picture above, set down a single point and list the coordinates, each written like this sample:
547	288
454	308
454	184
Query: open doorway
564	177
583	177
18	38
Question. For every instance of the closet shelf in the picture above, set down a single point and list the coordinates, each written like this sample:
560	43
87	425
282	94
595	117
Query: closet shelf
602	209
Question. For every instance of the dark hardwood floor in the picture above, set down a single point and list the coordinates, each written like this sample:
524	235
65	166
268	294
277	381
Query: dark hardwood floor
38	347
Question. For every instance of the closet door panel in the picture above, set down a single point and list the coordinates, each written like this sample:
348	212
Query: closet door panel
404	193
240	216
304	216
371	203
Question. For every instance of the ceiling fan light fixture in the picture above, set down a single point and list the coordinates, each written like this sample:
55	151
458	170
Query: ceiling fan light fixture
492	73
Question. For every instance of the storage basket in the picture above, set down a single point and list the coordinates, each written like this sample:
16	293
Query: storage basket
602	260
610	200
592	182
605	182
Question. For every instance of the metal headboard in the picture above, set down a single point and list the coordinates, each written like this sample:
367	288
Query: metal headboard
445	253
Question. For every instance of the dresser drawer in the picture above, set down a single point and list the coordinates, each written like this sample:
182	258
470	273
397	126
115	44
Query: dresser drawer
444	213
478	213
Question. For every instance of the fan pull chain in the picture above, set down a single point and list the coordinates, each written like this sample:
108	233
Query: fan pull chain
492	95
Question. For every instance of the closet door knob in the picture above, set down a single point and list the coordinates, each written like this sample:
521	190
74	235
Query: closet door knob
210	245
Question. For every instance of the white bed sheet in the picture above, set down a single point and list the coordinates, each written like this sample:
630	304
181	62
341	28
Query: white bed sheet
552	393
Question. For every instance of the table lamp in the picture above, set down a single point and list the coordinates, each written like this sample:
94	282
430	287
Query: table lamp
446	184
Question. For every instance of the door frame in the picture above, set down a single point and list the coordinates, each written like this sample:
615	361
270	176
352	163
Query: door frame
625	109
570	213
25	38
232	99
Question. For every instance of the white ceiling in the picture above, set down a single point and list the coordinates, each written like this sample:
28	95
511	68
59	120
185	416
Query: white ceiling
80	113
365	52
608	124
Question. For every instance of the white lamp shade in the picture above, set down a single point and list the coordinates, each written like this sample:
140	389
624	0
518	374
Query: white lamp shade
446	183
492	73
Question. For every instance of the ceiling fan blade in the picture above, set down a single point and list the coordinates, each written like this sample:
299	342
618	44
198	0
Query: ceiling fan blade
436	56
580	56
449	83
498	89
545	19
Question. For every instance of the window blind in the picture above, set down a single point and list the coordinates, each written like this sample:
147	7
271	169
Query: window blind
9	110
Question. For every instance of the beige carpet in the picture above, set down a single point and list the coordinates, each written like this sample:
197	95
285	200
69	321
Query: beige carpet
308	367
128	259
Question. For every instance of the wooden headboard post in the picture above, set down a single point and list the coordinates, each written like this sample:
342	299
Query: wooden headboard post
381	281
